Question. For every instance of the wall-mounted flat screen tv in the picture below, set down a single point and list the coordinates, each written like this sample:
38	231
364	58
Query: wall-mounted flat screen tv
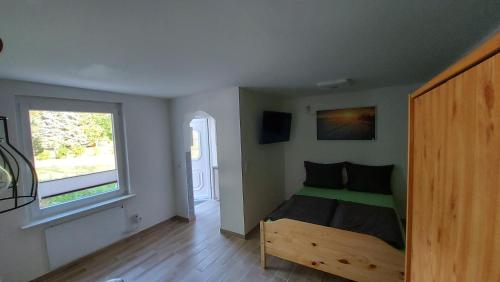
275	127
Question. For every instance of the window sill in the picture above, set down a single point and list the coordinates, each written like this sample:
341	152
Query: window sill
73	214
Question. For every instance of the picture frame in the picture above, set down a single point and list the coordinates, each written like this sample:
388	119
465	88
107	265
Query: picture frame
347	124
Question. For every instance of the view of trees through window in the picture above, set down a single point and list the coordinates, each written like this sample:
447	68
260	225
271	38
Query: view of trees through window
70	144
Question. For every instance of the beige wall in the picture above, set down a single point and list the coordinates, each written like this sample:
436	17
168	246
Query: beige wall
390	146
274	172
263	165
223	106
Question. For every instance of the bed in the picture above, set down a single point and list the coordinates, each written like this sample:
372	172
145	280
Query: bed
327	242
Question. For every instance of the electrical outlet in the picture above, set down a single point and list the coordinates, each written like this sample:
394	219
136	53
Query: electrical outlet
136	219
134	224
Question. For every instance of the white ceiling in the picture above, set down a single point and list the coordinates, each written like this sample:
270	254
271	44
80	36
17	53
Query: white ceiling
173	48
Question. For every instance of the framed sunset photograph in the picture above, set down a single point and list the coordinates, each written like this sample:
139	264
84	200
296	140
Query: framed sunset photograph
346	124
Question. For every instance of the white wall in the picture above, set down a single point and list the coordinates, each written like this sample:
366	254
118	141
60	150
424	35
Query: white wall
271	172
389	148
263	165
223	106
22	252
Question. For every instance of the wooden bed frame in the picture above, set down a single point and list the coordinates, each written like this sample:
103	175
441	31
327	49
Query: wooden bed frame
351	255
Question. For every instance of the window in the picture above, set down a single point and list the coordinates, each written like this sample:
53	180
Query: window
74	155
77	152
196	147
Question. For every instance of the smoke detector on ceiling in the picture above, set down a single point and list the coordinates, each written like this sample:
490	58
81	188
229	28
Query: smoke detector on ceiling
334	84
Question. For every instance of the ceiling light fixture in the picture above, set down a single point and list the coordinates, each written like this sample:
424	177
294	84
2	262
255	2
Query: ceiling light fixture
334	84
1	45
18	179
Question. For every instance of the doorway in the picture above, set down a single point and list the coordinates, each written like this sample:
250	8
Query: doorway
204	169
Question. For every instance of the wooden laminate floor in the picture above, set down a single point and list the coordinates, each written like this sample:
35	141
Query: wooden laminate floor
181	251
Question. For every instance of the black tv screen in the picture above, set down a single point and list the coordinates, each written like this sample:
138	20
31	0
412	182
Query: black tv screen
275	127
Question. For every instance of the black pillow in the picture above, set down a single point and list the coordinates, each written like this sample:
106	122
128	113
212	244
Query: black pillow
324	175
366	178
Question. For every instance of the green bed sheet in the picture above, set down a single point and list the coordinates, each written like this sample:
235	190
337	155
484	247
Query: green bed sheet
373	199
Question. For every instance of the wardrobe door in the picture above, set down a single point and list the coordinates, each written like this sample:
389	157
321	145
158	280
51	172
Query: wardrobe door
454	184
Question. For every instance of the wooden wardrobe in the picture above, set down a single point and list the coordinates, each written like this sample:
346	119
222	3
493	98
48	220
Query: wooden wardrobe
453	230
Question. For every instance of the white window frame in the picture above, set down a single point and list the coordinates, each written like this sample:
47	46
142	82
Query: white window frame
26	104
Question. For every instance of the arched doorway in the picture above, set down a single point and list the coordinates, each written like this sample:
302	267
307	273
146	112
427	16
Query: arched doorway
202	168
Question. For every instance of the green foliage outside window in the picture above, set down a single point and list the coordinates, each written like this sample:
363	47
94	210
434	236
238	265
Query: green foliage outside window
62	152
44	155
67	144
68	197
68	134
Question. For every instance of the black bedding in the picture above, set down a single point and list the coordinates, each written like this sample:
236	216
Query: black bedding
308	209
372	220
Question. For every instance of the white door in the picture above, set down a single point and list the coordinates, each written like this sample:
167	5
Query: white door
200	159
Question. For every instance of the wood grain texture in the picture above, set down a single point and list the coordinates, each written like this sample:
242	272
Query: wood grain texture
351	255
262	245
179	251
409	192
486	50
454	191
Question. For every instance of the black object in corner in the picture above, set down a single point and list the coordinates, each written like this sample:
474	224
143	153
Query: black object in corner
275	127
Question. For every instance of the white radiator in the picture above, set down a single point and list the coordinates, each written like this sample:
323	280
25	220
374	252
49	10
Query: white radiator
71	240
